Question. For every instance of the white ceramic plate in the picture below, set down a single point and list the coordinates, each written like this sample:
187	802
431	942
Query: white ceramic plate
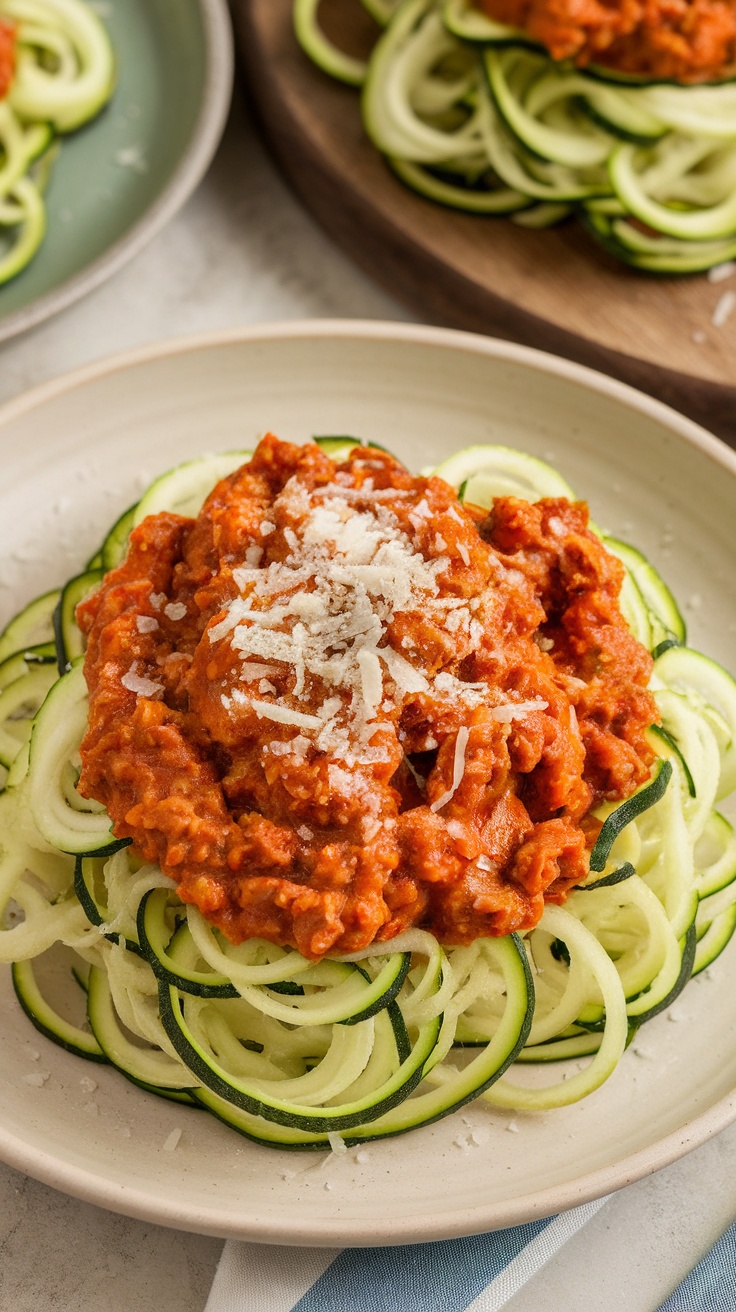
77	452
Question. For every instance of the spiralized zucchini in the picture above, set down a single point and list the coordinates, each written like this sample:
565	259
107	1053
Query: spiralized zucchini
476	116
292	1052
64	74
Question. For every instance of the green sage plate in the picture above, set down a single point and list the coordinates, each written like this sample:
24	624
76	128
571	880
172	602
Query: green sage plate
116	182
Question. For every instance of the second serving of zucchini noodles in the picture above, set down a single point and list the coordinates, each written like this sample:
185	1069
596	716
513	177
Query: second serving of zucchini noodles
476	115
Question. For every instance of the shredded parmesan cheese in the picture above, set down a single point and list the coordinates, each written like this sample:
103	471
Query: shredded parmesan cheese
284	715
517	710
138	684
458	768
724	309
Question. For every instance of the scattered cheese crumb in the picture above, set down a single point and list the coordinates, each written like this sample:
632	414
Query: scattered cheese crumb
157	599
88	1085
146	623
337	1144
132	157
724	309
176	610
173	1141
37	1079
141	686
362	1157
512	1127
720	272
266	528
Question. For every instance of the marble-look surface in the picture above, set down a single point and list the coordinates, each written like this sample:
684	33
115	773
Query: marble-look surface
243	251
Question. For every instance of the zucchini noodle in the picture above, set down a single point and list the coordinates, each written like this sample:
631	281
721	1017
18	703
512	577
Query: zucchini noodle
64	73
477	116
289	1051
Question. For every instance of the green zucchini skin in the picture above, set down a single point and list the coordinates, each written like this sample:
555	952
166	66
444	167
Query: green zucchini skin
607	881
47	1021
714	939
83	888
154	944
628	811
686	970
308	1119
67	635
260	1128
113	549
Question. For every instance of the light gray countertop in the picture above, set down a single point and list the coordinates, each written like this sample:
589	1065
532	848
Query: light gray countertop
243	251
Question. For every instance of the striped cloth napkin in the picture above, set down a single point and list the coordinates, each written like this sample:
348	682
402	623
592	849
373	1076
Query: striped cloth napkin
479	1274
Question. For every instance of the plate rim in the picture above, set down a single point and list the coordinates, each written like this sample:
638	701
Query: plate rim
119	1197
208	129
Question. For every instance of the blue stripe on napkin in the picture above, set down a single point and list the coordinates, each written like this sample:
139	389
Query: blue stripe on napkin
711	1285
441	1277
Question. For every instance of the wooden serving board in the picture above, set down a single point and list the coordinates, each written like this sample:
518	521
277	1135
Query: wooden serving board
556	290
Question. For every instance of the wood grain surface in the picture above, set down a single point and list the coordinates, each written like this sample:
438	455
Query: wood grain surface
556	290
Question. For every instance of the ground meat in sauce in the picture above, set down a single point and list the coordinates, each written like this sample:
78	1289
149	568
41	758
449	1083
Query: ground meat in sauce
339	703
679	40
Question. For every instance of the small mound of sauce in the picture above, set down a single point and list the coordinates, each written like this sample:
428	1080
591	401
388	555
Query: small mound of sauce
675	40
339	703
